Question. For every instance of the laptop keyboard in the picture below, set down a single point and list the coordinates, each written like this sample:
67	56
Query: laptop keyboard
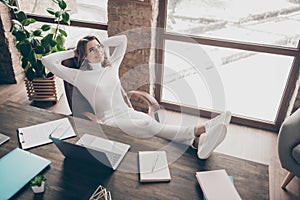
113	150
112	156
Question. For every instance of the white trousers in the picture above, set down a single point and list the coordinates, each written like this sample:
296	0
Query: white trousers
141	125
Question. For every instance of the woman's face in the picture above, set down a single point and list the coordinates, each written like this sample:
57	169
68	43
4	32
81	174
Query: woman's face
94	52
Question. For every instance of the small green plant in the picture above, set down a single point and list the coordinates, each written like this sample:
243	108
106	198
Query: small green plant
37	180
34	43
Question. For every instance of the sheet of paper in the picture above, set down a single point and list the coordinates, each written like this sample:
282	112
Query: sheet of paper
153	166
32	136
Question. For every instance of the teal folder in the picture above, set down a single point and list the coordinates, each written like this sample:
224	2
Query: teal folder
17	168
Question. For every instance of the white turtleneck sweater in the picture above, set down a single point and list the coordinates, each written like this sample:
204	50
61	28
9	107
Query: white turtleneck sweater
102	88
101	84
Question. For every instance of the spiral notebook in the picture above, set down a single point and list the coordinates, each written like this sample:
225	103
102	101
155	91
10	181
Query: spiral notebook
36	135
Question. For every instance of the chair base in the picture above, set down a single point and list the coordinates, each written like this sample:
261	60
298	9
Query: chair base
287	180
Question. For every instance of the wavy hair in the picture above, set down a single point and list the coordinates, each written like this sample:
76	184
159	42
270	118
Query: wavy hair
82	62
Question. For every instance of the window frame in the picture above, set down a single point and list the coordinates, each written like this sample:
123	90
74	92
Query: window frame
261	48
78	23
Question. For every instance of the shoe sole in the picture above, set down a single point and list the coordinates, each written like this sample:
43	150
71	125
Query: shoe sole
225	119
205	148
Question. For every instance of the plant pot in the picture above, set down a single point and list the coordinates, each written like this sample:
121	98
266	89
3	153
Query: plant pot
44	89
39	189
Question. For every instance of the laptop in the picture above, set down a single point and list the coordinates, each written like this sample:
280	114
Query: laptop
93	149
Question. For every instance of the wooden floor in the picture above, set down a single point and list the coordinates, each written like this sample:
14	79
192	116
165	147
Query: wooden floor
243	142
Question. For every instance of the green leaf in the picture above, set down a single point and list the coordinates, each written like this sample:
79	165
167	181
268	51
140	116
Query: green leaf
60	48
28	21
54	49
20	35
37	32
39	67
46	27
52	43
47	49
62	4
60	40
66	17
51	11
32	58
64	33
27	33
35	43
24	62
39	50
30	74
25	50
21	16
47	39
57	14
41	73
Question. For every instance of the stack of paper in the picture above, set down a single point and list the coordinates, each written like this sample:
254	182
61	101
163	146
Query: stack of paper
154	166
217	185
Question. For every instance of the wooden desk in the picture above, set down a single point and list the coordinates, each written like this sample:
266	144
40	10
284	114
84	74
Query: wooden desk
69	180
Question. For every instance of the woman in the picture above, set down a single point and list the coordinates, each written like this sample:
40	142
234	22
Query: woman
97	78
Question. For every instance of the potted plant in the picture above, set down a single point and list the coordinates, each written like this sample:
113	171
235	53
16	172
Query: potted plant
38	184
35	42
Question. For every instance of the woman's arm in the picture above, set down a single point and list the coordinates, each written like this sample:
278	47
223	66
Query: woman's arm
53	63
120	44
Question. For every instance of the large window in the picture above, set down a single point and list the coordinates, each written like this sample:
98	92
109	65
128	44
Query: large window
231	54
274	22
83	10
253	83
87	17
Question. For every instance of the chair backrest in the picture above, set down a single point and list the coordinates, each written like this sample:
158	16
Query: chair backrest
77	102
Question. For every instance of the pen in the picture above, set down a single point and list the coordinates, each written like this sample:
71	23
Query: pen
155	162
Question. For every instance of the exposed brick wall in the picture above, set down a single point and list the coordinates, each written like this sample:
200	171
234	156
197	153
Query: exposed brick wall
6	71
134	19
10	68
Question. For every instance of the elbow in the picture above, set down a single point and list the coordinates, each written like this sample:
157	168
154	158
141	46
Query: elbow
124	39
45	61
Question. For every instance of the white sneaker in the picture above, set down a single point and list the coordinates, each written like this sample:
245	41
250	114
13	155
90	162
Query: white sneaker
224	117
210	140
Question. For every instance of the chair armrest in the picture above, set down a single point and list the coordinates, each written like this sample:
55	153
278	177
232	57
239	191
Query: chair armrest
296	153
147	98
91	117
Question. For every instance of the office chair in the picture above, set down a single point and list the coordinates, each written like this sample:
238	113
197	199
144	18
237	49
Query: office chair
289	147
84	110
